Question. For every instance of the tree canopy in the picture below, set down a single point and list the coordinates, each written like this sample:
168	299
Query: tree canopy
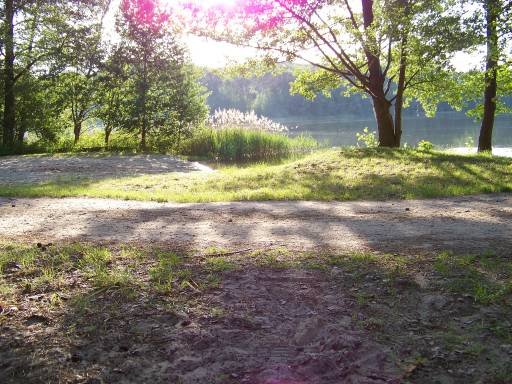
60	71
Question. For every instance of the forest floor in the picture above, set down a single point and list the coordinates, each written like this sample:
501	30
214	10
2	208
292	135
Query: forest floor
82	313
111	291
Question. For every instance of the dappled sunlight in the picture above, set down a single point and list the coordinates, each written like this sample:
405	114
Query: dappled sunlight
465	223
154	325
329	175
281	259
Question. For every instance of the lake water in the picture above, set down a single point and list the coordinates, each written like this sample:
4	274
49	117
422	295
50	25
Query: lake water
446	130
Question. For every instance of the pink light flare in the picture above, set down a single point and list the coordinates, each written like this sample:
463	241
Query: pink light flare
150	15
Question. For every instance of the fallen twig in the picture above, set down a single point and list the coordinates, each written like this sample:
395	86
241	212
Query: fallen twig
205	256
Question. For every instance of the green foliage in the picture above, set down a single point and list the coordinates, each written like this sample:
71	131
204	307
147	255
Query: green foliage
311	83
469	142
68	77
239	144
166	99
472	86
383	50
425	146
269	95
367	138
90	141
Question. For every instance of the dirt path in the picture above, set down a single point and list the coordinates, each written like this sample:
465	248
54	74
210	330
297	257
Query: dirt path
467	224
31	169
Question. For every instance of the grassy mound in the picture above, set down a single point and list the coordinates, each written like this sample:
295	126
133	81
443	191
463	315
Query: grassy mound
348	174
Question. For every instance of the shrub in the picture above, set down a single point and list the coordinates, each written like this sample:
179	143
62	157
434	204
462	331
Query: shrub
228	118
469	142
369	139
424	146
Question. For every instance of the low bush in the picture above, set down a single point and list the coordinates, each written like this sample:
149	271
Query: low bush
425	146
214	143
95	141
367	139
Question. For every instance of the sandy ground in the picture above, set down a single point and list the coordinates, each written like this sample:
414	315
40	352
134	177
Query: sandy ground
463	224
30	169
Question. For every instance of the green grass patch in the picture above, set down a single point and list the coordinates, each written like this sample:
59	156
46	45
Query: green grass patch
328	175
359	264
487	278
86	293
223	144
220	264
45	268
168	273
114	279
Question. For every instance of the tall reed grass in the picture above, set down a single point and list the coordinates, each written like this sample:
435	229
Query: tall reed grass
228	118
241	144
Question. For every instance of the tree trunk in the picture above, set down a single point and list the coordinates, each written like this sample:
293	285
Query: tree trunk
399	101
108	131
9	97
143	145
77	129
492	11
144	111
385	126
178	141
381	105
21	136
398	120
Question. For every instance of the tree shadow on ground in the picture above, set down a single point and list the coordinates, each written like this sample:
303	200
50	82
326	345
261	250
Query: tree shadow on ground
386	226
370	175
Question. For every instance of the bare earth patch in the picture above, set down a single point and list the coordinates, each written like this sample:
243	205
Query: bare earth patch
34	169
259	327
462	224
